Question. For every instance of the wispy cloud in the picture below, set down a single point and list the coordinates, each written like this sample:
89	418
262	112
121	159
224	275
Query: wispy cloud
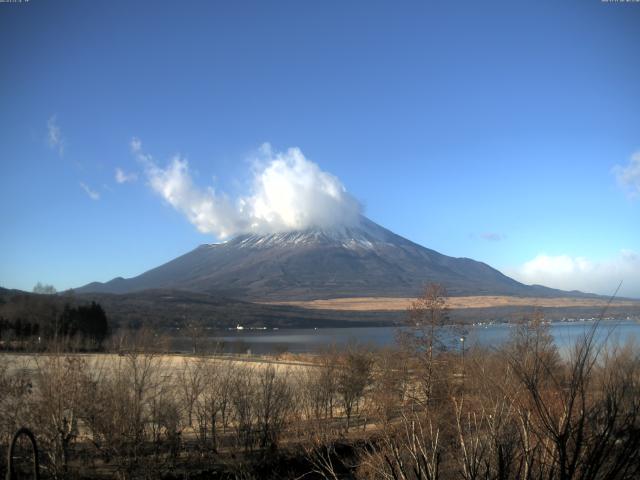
124	177
629	175
492	236
580	273
54	135
289	192
136	145
93	195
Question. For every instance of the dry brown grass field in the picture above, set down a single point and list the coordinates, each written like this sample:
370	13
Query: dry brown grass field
169	363
399	304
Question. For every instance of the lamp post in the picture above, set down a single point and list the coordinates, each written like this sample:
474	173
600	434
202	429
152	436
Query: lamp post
462	348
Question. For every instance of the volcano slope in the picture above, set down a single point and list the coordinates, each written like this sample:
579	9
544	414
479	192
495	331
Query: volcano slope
365	260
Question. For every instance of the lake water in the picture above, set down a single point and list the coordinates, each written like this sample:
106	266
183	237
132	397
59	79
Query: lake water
565	335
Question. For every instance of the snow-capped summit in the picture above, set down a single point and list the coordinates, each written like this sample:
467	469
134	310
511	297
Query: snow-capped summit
364	235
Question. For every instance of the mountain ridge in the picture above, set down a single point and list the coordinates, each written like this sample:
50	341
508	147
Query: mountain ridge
364	259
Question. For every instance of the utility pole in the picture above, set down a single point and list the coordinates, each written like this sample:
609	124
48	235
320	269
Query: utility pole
462	348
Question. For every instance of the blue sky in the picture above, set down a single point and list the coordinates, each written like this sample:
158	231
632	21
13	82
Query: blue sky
506	132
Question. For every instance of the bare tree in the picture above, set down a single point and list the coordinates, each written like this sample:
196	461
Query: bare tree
354	376
213	405
127	406
16	389
55	408
427	315
191	383
317	388
582	417
389	383
44	289
241	395
325	462
408	450
273	402
195	331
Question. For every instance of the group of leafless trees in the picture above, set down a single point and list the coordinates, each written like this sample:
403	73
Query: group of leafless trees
417	411
141	413
523	411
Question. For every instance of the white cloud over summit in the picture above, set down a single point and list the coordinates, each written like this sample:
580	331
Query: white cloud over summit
580	273
288	192
291	192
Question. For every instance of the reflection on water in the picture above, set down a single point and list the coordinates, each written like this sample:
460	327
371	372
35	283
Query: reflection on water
311	340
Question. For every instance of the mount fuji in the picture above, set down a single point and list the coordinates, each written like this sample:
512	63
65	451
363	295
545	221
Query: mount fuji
361	260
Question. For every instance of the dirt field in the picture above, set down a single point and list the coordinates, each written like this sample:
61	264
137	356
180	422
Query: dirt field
398	304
